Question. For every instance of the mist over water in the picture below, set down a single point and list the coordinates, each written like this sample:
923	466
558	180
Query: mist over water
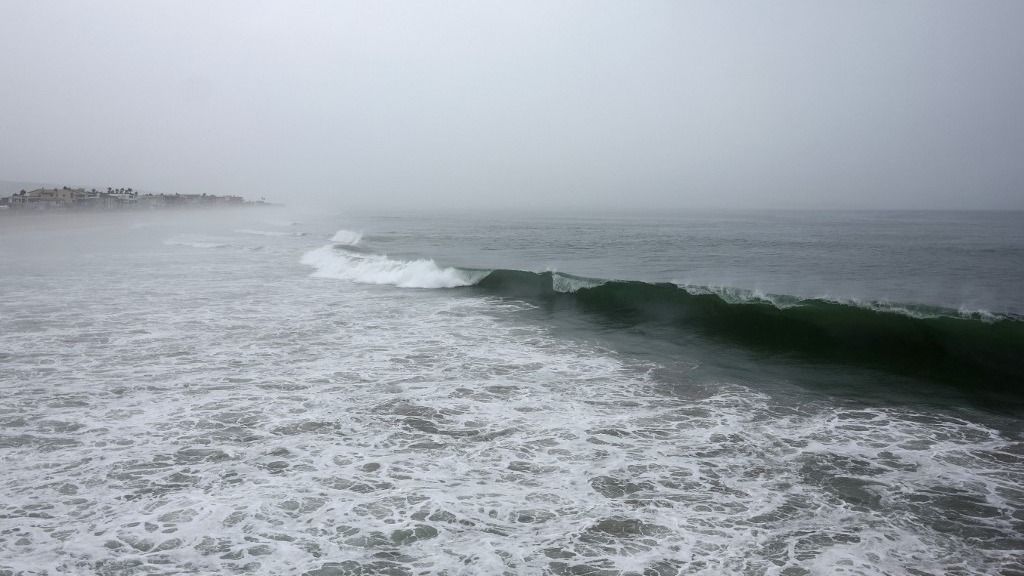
261	392
570	105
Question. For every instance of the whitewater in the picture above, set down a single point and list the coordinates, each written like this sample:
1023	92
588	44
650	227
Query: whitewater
356	397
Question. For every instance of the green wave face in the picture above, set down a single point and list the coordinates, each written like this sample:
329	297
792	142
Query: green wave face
980	353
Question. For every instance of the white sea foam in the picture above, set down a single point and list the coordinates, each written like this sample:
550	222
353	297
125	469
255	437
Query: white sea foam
331	262
738	295
249	423
743	296
347	237
978	314
569	284
912	311
445	436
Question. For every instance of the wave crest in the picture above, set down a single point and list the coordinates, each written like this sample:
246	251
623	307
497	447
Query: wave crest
347	237
340	264
983	351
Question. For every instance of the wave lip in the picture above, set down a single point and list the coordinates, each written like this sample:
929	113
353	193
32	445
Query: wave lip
347	238
334	262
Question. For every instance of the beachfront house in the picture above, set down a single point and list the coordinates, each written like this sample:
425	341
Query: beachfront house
43	198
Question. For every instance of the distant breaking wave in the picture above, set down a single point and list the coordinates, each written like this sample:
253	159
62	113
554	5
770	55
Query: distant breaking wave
347	237
977	349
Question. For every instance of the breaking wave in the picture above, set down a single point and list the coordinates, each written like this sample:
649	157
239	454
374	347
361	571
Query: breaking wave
979	349
338	263
983	350
347	237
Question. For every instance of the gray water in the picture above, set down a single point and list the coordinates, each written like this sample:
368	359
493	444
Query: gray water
229	393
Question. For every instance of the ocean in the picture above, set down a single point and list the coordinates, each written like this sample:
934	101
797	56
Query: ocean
266	391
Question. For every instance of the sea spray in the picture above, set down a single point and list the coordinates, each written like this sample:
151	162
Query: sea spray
347	238
331	262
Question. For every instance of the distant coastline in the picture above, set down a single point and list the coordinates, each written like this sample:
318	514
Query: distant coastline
82	199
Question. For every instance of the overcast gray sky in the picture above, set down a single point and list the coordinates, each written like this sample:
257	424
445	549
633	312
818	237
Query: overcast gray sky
817	104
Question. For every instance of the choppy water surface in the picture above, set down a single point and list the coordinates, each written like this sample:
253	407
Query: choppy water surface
183	397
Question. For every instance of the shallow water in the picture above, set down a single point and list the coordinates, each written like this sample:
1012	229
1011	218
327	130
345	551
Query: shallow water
182	395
